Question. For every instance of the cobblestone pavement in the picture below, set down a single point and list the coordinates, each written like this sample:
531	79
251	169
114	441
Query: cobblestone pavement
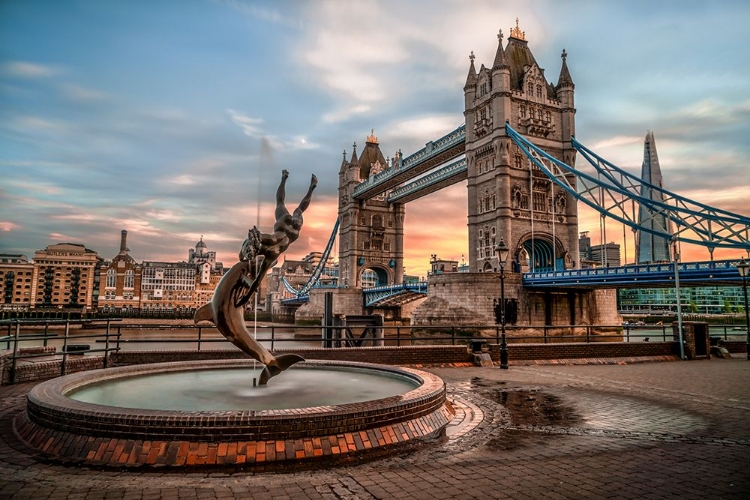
648	430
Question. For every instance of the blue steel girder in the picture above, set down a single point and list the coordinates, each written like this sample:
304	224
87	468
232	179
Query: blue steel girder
394	295
708	273
434	181
696	223
315	276
433	154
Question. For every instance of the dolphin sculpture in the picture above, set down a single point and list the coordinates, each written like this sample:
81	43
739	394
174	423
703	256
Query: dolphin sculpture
226	311
259	252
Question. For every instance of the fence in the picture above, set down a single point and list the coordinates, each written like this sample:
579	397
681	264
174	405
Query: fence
113	336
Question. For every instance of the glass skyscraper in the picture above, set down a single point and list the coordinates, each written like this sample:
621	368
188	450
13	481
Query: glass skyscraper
650	247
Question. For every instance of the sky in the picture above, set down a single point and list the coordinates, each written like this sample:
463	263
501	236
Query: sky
174	119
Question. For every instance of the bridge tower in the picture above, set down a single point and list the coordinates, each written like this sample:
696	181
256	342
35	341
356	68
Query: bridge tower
371	232
508	197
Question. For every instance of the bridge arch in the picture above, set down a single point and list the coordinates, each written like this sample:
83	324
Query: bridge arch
374	275
540	252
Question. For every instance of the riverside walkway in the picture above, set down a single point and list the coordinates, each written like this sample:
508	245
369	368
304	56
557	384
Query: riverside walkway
647	430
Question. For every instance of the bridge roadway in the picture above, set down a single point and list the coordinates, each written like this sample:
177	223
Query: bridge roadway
709	273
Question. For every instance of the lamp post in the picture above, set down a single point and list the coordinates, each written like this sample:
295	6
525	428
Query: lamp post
743	268
502	251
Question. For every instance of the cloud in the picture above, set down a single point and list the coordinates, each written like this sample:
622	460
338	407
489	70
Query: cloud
78	93
24	69
251	127
345	113
264	14
182	180
7	226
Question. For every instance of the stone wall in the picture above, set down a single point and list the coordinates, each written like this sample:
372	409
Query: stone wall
346	301
462	299
465	299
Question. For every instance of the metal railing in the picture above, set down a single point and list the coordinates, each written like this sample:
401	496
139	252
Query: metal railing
14	340
114	335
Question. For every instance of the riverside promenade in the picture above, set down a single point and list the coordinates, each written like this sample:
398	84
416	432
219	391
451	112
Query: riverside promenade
677	429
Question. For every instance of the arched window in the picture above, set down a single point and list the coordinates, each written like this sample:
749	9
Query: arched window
129	279
111	278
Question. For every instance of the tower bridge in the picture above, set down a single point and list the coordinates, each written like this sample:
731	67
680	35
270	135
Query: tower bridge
516	150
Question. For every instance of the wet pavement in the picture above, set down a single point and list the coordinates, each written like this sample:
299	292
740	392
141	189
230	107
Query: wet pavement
647	430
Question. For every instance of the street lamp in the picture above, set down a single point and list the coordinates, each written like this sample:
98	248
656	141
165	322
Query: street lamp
502	252
743	268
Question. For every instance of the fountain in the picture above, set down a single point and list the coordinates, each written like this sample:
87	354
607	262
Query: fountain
210	413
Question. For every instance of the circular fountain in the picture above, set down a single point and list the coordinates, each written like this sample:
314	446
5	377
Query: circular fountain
206	413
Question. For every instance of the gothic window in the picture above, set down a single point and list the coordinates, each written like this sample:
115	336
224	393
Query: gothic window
539	91
387	246
365	245
517	161
377	245
492	205
540	202
487	204
522	111
111	278
377	221
548	116
129	279
531	89
362	221
390	222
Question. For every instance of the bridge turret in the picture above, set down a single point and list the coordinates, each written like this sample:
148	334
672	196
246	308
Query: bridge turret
565	89
500	69
470	93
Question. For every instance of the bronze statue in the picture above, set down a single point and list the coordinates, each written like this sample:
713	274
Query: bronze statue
259	253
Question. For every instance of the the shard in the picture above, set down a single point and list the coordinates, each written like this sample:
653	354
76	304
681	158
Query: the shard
652	247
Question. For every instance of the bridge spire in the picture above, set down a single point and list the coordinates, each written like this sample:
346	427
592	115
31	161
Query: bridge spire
517	33
500	60
471	78
564	80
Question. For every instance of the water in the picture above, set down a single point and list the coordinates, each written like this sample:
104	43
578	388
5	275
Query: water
232	389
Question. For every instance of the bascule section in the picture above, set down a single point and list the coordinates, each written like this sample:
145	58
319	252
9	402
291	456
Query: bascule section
509	197
371	230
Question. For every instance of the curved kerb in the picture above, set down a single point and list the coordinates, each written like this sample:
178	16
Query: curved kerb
99	435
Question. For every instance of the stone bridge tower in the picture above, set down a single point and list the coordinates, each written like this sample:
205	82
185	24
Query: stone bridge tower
371	232
508	197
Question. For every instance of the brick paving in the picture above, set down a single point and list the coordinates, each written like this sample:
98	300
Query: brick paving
645	430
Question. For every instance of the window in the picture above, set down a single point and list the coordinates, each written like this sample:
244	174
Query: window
540	202
539	91
111	278
129	279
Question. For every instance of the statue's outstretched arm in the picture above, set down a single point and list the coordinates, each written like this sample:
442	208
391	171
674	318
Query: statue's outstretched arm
306	200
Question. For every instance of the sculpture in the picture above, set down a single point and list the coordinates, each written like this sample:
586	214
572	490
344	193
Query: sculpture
258	254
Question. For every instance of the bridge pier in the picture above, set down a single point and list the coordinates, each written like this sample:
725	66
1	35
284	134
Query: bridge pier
466	299
346	302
